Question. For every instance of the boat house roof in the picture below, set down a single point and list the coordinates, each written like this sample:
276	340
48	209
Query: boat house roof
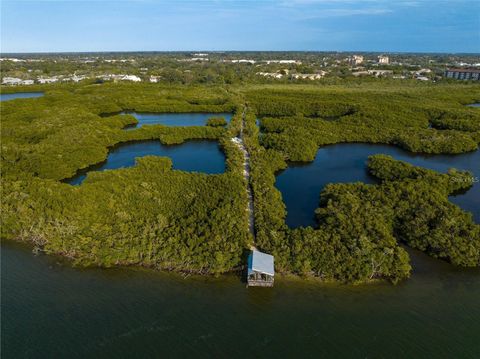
261	263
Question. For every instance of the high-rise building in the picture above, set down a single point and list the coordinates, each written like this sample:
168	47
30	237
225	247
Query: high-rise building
355	60
382	59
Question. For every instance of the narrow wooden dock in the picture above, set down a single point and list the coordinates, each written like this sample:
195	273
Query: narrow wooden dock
260	271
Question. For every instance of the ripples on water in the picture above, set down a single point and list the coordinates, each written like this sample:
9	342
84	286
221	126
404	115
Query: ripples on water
50	309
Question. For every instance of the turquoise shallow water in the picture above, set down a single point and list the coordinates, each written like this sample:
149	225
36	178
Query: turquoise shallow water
51	310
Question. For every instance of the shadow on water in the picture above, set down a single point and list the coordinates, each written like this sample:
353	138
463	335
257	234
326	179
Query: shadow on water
192	156
301	183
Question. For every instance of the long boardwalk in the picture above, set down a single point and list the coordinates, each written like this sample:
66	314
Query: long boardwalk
246	173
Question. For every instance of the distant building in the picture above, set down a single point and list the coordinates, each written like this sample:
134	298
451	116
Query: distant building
131	78
260	271
355	60
47	80
194	59
463	74
20	60
283	62
275	75
316	76
75	78
422	78
155	79
424	71
243	61
376	73
384	60
115	78
16	81
12	59
113	60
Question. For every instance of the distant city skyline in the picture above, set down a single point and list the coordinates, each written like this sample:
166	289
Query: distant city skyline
296	25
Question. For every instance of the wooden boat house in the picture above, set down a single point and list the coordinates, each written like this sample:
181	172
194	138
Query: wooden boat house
260	269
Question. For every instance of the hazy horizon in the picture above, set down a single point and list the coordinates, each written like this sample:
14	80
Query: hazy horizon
235	51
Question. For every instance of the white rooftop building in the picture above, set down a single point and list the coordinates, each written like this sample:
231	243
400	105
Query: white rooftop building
130	78
114	77
260	272
243	61
275	75
47	80
16	81
283	62
316	76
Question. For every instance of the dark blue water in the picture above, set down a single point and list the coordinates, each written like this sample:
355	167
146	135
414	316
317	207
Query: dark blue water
13	96
301	183
53	310
474	105
174	119
191	156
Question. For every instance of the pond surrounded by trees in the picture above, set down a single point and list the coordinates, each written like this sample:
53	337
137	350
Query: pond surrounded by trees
301	183
13	96
192	156
173	119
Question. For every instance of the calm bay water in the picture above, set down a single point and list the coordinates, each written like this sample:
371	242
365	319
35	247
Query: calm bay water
191	156
174	119
13	96
301	183
51	310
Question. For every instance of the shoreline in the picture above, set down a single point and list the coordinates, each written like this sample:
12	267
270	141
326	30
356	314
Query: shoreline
421	264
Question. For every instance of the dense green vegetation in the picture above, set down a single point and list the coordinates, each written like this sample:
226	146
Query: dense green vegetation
154	216
310	117
422	217
149	214
216	122
36	134
360	226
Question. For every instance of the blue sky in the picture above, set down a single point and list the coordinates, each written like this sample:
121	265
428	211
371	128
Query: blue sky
321	25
